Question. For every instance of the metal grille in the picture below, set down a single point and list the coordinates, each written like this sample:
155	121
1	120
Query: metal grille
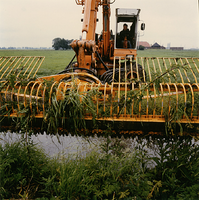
174	98
147	69
26	66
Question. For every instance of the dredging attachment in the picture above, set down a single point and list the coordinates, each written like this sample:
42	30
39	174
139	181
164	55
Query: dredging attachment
164	98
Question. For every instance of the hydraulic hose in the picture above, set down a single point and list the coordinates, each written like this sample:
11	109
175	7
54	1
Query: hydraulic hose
105	67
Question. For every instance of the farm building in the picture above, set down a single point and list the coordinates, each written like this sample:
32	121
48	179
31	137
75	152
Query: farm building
177	48
157	46
144	44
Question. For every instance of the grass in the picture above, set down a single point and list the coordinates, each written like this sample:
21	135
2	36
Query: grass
168	53
56	61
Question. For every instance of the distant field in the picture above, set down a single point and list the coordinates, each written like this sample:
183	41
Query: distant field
168	53
56	61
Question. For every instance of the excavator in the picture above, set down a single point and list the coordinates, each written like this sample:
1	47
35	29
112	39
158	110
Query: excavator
106	86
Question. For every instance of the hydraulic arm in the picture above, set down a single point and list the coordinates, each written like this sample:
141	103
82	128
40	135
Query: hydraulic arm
88	49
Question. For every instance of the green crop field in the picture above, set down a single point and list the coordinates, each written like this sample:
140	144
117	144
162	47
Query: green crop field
56	61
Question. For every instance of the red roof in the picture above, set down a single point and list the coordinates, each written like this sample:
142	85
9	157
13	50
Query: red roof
145	44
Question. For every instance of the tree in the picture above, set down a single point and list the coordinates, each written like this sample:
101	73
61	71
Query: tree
141	47
59	43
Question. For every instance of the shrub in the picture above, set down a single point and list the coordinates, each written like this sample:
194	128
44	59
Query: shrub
22	169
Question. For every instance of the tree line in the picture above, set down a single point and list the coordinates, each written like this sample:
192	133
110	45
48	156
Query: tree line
61	44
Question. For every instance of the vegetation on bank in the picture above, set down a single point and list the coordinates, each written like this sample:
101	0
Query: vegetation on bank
114	171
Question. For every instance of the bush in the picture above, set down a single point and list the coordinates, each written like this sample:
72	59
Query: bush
177	166
141	47
161	168
22	169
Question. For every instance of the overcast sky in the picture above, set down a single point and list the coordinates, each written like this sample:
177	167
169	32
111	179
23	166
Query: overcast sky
35	23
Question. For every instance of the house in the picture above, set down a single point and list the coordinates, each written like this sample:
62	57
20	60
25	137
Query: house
157	46
144	44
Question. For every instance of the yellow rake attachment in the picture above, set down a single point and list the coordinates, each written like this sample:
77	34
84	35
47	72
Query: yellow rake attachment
26	66
163	98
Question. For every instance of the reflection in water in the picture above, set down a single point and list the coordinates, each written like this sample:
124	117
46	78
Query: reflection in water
76	145
55	145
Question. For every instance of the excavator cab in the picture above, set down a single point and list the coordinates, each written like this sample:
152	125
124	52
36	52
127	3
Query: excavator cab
126	32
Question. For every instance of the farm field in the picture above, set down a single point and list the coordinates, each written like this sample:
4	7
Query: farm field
56	61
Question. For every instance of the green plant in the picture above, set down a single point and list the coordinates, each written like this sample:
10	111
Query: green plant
177	166
22	168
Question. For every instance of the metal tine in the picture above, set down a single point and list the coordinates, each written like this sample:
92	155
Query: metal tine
37	95
192	94
125	73
18	94
5	58
143	69
33	68
104	109
19	66
166	69
8	66
153	65
149	71
31	94
29	66
185	71
179	70
51	91
31	60
131	66
112	98
147	98
154	109
125	91
177	99
114	69
138	77
169	89
172	70
196	85
97	99
191	70
160	68
195	64
118	98
162	104
185	96
28	58
42	60
14	66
